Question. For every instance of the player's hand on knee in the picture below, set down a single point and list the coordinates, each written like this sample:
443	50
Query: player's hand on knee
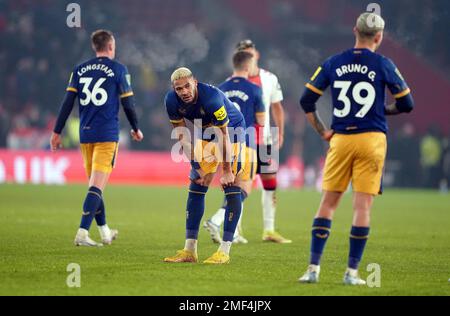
137	136
227	179
200	181
55	141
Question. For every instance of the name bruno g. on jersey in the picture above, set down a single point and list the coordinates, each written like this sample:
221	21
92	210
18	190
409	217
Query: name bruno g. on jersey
362	69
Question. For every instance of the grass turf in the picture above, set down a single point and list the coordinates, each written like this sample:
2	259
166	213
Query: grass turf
410	240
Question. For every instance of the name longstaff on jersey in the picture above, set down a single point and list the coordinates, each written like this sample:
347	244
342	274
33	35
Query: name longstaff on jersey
100	83
102	67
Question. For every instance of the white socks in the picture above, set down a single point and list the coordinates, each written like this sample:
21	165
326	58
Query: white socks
219	217
225	247
105	232
191	245
268	210
238	231
352	272
82	233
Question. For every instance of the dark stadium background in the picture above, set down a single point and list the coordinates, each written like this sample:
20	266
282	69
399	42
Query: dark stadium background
38	51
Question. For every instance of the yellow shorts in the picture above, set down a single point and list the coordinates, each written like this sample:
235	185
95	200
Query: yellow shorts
251	164
355	157
99	156
207	154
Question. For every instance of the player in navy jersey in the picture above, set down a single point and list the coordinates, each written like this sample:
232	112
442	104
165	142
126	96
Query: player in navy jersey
248	98
269	142
358	78
100	84
222	143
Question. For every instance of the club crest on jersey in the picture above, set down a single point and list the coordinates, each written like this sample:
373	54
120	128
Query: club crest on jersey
221	113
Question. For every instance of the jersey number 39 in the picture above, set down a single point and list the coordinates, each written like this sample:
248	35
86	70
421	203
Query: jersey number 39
97	95
366	102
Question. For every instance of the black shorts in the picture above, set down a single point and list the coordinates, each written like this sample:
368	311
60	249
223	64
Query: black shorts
266	163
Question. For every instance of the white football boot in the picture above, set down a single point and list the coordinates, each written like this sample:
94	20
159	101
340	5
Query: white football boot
351	277
82	239
311	275
213	230
239	239
107	234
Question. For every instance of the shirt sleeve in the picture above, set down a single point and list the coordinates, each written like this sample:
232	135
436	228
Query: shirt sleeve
64	112
394	79
216	108
125	89
172	109
73	82
277	93
320	80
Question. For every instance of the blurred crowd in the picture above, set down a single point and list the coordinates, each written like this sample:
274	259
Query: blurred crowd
38	52
419	161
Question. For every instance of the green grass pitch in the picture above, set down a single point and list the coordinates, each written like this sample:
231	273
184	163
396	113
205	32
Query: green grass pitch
410	240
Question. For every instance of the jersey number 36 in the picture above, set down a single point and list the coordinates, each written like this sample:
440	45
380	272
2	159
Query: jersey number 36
366	102
97	95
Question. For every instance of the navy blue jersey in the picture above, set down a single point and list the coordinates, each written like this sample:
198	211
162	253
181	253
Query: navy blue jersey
212	107
247	97
99	84
358	80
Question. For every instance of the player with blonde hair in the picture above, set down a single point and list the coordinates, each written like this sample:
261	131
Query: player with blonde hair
358	78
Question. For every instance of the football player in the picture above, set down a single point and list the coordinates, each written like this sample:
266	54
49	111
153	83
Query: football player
99	84
358	78
222	143
248	98
267	167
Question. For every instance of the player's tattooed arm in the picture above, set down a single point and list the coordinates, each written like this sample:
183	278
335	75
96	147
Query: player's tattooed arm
316	122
